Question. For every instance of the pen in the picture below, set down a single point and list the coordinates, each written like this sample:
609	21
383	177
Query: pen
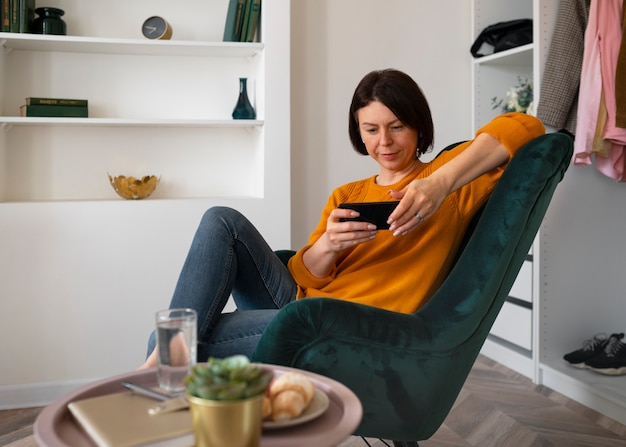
145	391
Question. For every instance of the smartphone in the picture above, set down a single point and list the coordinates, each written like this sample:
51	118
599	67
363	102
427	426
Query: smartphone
376	213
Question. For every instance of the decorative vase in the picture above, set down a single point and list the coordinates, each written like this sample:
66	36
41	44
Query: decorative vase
49	21
243	109
232	423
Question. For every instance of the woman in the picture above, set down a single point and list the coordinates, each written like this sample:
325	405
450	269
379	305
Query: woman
390	121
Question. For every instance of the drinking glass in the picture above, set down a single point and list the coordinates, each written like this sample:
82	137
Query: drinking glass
176	331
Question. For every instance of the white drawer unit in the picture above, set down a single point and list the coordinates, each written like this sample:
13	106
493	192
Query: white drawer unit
514	325
523	287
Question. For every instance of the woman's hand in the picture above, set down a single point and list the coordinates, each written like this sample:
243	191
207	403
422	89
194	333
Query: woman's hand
320	257
422	197
341	235
418	201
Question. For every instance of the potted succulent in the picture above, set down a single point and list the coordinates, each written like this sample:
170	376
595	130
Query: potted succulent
225	398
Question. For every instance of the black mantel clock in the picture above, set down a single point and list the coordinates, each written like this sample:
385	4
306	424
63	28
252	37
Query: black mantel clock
156	27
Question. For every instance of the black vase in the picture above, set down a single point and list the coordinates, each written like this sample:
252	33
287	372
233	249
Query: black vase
243	109
49	21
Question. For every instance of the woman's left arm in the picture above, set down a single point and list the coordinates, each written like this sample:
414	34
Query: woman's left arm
492	147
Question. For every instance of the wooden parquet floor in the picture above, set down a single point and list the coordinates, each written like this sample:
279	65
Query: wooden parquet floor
496	408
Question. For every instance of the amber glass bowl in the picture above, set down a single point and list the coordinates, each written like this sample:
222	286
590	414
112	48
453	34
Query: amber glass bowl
132	188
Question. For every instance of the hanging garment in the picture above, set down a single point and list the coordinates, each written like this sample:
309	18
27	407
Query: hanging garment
610	31
620	78
590	92
602	43
601	147
558	97
613	166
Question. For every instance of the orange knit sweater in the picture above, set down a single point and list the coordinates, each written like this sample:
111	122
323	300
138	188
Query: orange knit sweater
401	273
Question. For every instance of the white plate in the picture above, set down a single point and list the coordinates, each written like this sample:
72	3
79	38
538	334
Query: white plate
316	408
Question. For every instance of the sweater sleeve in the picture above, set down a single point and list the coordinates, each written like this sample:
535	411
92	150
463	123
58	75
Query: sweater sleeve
298	270
513	130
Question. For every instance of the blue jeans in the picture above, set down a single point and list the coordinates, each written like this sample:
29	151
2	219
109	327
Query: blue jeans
229	256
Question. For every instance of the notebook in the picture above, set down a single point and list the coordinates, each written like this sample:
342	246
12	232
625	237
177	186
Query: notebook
122	420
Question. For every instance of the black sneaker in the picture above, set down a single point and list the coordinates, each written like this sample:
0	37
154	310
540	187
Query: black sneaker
611	361
591	348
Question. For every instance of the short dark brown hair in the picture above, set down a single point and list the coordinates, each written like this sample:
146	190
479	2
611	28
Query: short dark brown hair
401	94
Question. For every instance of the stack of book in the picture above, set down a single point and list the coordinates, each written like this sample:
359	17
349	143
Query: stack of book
242	20
17	16
55	107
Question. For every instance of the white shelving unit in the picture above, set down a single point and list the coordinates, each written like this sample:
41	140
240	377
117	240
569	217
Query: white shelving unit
159	93
574	276
582	285
512	339
76	259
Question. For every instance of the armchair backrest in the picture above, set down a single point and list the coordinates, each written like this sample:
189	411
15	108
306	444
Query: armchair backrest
461	313
497	247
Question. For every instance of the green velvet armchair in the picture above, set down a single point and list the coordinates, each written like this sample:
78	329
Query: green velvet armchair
407	370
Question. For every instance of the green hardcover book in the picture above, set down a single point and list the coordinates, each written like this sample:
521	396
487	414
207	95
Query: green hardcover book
15	16
36	101
26	15
234	20
6	16
54	111
253	20
246	18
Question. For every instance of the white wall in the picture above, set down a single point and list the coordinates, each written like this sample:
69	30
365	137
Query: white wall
333	45
80	280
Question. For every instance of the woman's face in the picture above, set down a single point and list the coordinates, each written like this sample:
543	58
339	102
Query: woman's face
387	140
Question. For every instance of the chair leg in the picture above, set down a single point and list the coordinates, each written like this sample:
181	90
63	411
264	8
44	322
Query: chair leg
405	444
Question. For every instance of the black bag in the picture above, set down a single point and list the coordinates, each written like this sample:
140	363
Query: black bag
504	35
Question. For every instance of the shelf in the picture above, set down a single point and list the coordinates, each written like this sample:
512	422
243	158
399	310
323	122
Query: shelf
74	44
515	56
605	394
122	122
113	200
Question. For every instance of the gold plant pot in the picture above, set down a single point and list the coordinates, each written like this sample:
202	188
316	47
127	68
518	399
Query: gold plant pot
232	423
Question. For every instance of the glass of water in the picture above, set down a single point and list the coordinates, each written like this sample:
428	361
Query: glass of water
176	331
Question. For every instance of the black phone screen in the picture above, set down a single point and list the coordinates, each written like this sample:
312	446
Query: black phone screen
376	213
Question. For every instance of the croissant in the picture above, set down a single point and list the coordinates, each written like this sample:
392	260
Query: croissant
290	394
287	405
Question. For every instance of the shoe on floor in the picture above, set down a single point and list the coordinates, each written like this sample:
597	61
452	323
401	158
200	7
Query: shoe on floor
591	348
612	360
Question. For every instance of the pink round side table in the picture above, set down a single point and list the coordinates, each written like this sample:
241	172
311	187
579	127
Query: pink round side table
56	427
